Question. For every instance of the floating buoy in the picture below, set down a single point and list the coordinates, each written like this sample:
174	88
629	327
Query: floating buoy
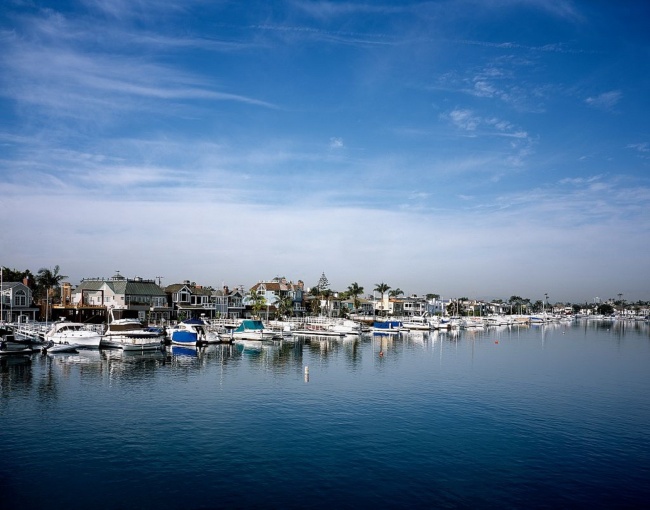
381	353
496	341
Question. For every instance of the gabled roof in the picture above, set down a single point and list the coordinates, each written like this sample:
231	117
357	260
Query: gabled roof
12	285
276	286
192	289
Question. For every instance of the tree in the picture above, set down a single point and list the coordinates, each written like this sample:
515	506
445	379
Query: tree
396	293
354	291
432	296
13	275
285	307
48	283
323	283
48	279
326	294
605	309
515	301
258	302
382	288
456	307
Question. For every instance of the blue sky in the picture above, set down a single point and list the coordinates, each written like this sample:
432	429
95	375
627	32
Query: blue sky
466	148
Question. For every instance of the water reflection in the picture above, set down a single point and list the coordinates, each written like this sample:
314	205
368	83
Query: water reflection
46	373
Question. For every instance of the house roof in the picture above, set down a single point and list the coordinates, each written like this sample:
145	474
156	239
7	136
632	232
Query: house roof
276	286
122	286
11	285
194	289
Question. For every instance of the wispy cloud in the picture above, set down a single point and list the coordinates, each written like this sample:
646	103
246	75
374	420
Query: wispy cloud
336	143
605	101
641	147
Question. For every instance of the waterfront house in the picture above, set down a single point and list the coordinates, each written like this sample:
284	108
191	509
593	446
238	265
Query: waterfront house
17	303
144	296
219	303
189	300
414	305
236	306
278	289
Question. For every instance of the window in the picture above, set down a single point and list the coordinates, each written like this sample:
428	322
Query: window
20	299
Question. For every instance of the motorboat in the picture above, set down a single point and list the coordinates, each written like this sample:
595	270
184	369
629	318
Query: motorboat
52	347
129	334
387	327
188	332
78	333
252	329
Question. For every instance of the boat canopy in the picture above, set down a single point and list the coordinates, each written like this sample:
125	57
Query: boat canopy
250	324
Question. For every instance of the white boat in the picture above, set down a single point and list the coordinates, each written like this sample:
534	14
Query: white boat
472	323
417	323
188	332
498	320
315	329
52	347
129	334
63	332
252	329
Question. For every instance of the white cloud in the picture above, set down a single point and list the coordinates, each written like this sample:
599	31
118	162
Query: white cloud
606	100
336	143
641	147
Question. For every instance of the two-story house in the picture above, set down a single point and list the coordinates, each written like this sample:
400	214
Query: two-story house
189	300
16	303
236	305
119	292
279	289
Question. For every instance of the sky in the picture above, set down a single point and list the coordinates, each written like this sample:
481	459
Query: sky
468	148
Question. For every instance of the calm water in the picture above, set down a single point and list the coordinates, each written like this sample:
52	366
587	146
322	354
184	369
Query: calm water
546	417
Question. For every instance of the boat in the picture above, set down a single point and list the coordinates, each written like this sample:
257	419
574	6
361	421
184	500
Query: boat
78	333
472	323
129	334
52	347
252	329
188	332
315	329
10	346
417	323
387	327
498	320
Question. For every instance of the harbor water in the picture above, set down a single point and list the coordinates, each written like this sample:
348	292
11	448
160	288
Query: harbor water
555	416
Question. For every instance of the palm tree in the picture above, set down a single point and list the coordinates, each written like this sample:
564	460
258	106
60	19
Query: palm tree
355	291
396	293
326	294
47	281
285	306
49	278
382	288
258	302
